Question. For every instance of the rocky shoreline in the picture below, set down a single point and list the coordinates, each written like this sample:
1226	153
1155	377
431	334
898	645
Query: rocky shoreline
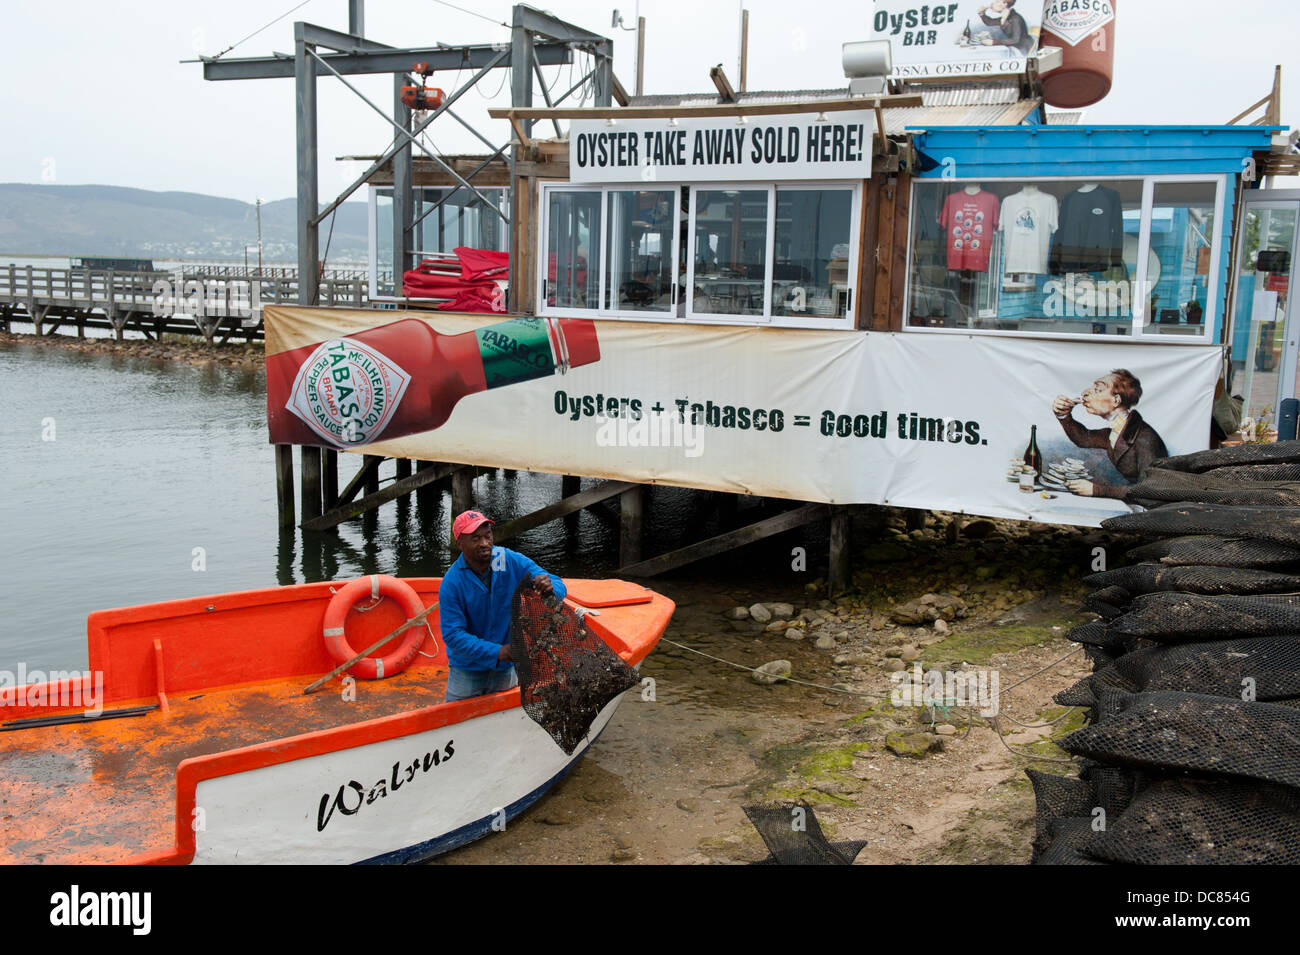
171	348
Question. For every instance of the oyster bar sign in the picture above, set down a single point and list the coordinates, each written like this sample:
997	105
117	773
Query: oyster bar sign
970	38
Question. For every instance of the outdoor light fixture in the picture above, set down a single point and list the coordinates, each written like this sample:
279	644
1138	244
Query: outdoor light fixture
867	64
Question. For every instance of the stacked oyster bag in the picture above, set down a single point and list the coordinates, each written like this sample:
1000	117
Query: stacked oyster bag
1192	750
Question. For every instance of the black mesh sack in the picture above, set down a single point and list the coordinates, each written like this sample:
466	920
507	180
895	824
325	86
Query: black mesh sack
1259	472
1081	694
1280	525
1205	822
1187	731
1279	452
1219	668
1112	786
1170	486
1096	633
566	673
797	839
1171	617
1216	551
1056	797
1101	656
1069	843
1152	577
1107	602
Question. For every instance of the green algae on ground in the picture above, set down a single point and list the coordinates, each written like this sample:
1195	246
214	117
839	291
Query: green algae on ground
978	647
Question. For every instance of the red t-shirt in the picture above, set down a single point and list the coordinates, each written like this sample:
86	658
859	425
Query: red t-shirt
968	224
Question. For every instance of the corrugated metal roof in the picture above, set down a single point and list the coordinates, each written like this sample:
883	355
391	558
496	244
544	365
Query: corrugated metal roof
1067	118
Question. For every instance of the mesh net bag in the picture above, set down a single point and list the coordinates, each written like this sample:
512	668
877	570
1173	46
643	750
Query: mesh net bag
794	837
566	673
1152	577
1279	525
1108	602
1070	840
1112	786
1208	488
1221	668
1172	617
1216	551
1280	452
1096	633
1056	797
1187	731
1205	822
1259	472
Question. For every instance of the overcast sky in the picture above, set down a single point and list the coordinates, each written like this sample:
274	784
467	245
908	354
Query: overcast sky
94	92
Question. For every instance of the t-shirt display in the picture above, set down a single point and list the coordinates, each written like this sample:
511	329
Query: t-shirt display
969	221
1028	219
1092	232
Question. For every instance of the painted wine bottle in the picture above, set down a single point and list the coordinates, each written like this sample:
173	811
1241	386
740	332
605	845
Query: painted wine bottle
1034	457
404	377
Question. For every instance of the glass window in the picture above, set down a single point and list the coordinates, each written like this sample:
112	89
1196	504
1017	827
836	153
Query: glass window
810	268
730	251
639	250
1181	246
1263	284
573	248
1044	256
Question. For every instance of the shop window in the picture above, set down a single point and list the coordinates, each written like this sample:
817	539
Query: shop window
730	246
573	248
1063	256
810	268
640	250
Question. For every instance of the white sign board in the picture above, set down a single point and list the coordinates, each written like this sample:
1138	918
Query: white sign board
969	38
722	148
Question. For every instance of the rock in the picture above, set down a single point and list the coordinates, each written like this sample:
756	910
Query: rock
777	626
781	611
853	659
914	745
985	572
894	652
941	626
760	613
825	642
910	654
910	613
878	621
772	672
688	804
622	842
946	729
737	613
623	855
886	552
794	633
808	616
894	666
553	819
978	530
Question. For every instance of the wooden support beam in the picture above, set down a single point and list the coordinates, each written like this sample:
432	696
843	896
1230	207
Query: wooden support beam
841	568
392	492
631	525
371	481
311	493
284	483
330	477
520	113
725	90
370	465
462	491
568	505
570	484
806	514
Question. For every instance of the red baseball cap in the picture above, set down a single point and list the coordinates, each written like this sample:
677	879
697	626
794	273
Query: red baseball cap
468	522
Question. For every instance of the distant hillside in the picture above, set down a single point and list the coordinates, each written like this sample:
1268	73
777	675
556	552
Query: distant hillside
115	221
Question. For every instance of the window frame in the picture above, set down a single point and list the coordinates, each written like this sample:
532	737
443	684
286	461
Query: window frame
848	321
1139	319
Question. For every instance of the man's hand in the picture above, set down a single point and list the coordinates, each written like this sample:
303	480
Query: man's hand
542	584
504	653
1062	406
1082	488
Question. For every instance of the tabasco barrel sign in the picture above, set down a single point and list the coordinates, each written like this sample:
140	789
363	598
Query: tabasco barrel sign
347	392
1073	20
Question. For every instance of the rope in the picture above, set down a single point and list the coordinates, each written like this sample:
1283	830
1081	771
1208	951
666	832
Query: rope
741	666
474	13
260	29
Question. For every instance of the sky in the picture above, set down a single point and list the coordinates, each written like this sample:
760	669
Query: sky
95	92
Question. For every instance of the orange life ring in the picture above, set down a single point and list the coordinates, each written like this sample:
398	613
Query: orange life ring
373	668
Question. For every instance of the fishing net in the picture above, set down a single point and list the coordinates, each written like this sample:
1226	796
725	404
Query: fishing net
1217	551
566	673
1095	633
793	836
1280	452
1153	577
1108	601
1185	731
1069	842
1205	822
1267	668
1056	797
1209	488
1280	525
1168	617
1112	786
1259	472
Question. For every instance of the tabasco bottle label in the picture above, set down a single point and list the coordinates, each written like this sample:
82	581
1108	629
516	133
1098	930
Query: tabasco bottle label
347	391
517	350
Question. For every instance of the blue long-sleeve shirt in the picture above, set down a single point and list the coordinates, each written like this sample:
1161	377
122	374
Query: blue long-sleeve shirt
475	619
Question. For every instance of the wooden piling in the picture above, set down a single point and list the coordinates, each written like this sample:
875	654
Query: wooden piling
570	484
403	467
916	519
426	494
631	509
371	485
284	483
462	491
311	492
841	569
330	477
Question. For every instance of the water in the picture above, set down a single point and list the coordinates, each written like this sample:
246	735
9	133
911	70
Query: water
133	480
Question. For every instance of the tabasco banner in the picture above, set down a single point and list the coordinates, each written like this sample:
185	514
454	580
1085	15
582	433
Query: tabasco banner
1051	431
970	38
720	149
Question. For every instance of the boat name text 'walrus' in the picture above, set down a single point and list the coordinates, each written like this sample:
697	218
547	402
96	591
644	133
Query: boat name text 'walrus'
380	790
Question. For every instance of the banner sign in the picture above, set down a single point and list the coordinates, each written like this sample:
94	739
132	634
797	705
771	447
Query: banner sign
844	417
970	38
722	149
1073	20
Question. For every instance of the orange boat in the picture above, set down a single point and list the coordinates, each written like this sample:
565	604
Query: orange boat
206	748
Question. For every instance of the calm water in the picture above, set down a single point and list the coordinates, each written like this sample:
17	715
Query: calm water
149	460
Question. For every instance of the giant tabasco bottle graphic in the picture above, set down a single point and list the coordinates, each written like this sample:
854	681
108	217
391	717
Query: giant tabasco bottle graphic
404	377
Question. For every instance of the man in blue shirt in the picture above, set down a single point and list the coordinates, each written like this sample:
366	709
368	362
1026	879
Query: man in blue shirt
474	608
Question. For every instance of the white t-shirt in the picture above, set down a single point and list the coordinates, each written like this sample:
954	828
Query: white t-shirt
1027	221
